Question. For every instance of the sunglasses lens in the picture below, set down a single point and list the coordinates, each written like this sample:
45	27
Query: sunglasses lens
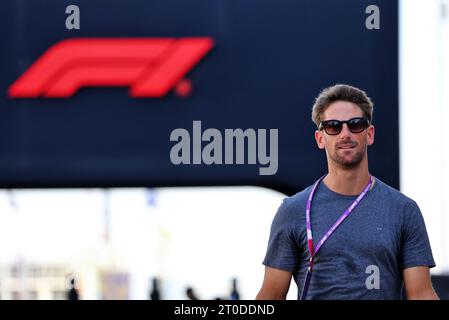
332	127
356	125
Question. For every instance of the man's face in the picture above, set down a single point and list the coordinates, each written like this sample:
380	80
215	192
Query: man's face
345	149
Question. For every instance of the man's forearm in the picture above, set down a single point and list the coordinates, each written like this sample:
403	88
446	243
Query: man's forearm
425	295
265	294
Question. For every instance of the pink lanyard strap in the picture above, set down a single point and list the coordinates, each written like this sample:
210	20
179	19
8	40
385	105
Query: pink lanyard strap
329	232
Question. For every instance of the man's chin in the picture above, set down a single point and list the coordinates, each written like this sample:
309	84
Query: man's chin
347	163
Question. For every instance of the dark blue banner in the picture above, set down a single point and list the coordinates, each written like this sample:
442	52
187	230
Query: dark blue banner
104	116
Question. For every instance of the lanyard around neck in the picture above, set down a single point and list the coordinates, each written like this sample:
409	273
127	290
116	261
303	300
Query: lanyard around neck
329	232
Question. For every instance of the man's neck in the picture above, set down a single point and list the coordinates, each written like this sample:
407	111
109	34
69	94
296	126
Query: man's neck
347	181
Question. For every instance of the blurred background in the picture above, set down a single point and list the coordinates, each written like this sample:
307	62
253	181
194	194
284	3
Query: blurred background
91	205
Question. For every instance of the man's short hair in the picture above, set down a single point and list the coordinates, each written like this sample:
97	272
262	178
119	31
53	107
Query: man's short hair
341	92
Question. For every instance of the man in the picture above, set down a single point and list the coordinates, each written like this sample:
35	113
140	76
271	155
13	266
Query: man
364	239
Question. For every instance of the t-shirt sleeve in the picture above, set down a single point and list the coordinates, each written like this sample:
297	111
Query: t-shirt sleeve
415	249
282	252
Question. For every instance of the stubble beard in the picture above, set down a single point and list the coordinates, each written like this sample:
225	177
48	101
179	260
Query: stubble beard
347	164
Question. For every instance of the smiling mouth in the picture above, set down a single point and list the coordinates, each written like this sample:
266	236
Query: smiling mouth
346	147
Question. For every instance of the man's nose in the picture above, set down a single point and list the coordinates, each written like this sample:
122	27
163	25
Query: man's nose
345	130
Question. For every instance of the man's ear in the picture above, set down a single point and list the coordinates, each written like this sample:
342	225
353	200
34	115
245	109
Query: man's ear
370	135
319	139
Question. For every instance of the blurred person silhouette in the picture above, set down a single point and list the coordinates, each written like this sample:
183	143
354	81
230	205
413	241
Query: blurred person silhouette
235	295
191	294
72	293
155	292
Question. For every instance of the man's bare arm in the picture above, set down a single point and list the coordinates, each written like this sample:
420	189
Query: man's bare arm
275	284
418	285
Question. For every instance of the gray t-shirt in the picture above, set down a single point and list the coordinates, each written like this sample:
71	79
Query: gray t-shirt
385	231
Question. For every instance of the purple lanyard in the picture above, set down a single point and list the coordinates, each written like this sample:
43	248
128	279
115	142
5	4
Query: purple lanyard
328	233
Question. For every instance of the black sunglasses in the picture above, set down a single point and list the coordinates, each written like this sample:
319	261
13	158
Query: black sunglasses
334	127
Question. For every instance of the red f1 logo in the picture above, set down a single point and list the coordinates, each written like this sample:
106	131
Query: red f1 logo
151	67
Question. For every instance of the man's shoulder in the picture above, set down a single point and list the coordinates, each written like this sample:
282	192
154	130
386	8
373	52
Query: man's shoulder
388	193
293	207
299	199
